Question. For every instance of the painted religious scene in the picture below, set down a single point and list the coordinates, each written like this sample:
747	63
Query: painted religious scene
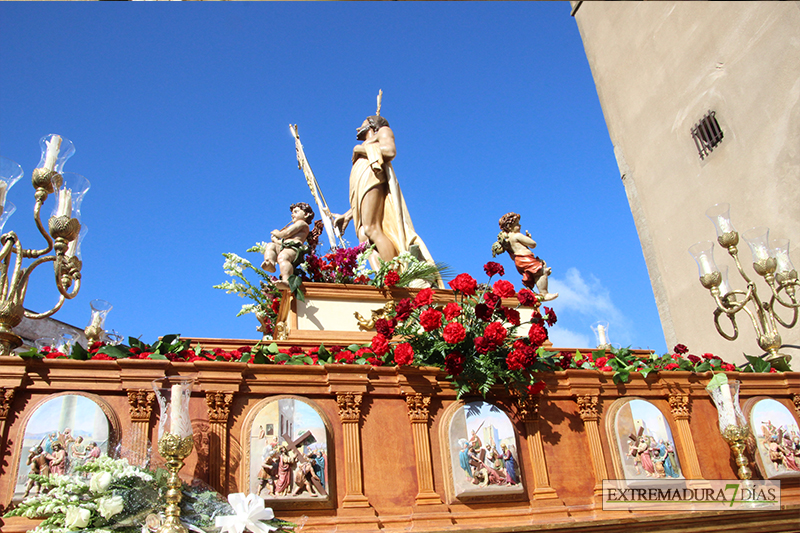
64	432
288	451
483	451
645	441
777	439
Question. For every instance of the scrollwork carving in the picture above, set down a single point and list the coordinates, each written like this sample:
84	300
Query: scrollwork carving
679	403
141	404
588	407
6	397
349	406
219	406
418	407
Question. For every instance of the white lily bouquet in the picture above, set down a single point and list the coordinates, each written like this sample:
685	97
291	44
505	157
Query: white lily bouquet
111	496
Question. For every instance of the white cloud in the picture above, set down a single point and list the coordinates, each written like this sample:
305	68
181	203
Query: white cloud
588	301
565	338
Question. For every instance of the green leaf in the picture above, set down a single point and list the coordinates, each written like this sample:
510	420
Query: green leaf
282	357
646	371
354	348
33	353
259	358
598	353
703	367
79	353
758	364
169	339
136	343
294	286
781	365
622	376
114	351
273	348
717	381
157	356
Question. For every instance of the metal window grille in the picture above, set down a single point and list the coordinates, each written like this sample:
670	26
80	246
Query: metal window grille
707	134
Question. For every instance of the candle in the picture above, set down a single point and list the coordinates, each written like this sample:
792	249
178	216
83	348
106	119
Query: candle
53	147
3	189
724	224
705	265
71	249
176	409
64	203
601	334
728	417
97	318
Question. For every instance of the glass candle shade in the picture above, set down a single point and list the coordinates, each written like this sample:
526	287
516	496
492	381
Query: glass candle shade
720	216
43	344
8	210
10	173
74	248
173	395
780	250
55	152
758	240
100	309
703	253
64	343
600	330
726	400
70	195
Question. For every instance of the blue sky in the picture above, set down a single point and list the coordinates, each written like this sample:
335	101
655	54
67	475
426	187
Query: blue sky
179	113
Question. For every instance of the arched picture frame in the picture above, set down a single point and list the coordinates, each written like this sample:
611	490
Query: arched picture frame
482	459
777	438
62	431
288	453
642	440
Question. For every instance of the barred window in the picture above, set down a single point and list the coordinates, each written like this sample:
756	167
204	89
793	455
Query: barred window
707	134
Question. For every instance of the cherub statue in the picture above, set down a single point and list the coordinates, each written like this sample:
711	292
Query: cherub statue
286	243
533	269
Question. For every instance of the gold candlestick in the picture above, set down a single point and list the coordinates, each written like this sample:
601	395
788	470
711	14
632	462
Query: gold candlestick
736	437
174	450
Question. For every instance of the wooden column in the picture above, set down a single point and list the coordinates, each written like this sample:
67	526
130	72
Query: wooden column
350	415
679	404
528	412
140	404
419	415
219	410
587	405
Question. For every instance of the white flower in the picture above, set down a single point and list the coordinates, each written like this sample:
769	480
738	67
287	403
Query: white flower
77	517
108	507
100	482
250	511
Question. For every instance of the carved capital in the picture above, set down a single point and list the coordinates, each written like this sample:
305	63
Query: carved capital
587	405
6	397
679	403
141	404
418	407
349	406
527	407
219	406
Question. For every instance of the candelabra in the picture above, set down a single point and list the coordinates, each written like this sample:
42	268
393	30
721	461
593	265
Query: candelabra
95	331
175	442
64	234
732	424
770	260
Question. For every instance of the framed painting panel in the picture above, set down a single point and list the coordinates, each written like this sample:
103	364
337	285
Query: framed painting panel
777	438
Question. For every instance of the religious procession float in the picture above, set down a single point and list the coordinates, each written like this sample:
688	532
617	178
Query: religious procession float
384	394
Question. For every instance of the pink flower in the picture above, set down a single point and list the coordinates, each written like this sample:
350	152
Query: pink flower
404	354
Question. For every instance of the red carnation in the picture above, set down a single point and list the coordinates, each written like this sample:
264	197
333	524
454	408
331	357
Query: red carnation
345	356
512	316
693	358
607	369
465	284
600	362
391	278
483	312
483	345
454	363
514	361
385	327
672	366
403	309
681	348
503	288
536	388
551	316
527	298
491	299
495	332
275	305
424	297
454	333
727	367
380	344
452	311
430	319
102	357
404	354
491	268
537	334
